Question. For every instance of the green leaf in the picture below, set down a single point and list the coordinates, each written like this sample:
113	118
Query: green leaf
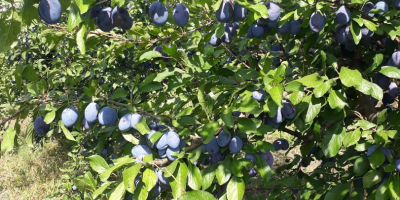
356	32
312	112
129	176
98	164
84	5
223	172
391	72
149	55
313	80
383	191
336	100
394	188
142	127
376	159
351	137
263	168
8	140
369	88
196	195
338	192
235	188
227	117
208	175
277	94
130	138
169	171
10	24
322	89
30	74
119	192
194	177
101	189
90	181
195	154
119	93
119	164
50	117
378	58
178	182
208	131
81	39
350	77
149	178
361	165
248	125
371	178
74	18
66	132
332	140
141	192
151	87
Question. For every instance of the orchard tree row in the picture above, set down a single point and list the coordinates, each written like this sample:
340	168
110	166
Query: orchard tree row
163	100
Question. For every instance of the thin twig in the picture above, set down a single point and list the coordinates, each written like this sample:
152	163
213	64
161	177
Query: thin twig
235	56
284	53
19	112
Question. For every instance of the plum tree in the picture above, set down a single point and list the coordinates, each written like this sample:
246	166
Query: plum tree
41	128
317	22
105	20
50	11
122	18
69	116
181	15
225	11
366	36
343	15
107	116
158	13
91	111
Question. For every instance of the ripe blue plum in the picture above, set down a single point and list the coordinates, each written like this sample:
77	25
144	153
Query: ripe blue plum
212	147
162	153
277	144
350	46
295	26
387	98
140	151
227	38
274	11
229	28
158	13
259	95
284	28
393	90
69	116
161	178
367	7
366	36
225	11
125	123
170	151
181	15
285	144
135	118
397	164
267	156
272	24
343	15
215	41
40	127
239	12
396	4
182	143
223	138
86	125
50	11
278	118
255	31
235	145
162	143
94	11
252	172
105	20
288	110
236	25
104	152
122	18
276	47
216	157
340	34
269	121
383	6
382	81
317	22
113	156
173	139
236	113
251	157
396	59
91	112
107	116
84	151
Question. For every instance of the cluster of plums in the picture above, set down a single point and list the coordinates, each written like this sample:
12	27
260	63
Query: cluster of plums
384	81
159	14
108	18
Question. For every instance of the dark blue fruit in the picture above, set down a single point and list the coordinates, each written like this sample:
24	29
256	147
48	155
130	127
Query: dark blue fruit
223	138
162	153
387	98
227	37
396	59
125	123
343	15
397	164
277	144
122	18
317	22
288	110
50	11
259	95
393	90
107	116
158	13
181	15
104	152
295	26
214	41
382	81
170	151
236	113
367	7
284	28
105	20
267	156
239	12
278	118
255	31
173	139
212	147
350	46
162	143
69	116
251	157
366	36
182	143
272	24
216	157
225	11
161	178
235	145
396	4
135	118
252	172
383	6
40	127
140	151
274	11
230	29
94	11
86	125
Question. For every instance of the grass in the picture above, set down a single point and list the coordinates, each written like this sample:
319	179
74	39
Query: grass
33	174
